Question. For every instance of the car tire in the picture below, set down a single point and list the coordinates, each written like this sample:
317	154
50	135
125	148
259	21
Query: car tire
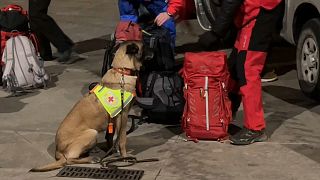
211	8
307	58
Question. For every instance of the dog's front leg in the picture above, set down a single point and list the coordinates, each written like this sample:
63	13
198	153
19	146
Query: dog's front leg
121	126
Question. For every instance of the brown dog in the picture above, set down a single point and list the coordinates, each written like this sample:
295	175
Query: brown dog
78	131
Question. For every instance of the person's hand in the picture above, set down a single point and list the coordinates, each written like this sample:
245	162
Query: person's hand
208	40
162	18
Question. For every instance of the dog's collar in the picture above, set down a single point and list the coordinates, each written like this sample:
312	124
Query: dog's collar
126	71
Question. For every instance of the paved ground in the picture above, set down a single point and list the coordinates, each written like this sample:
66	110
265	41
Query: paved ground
28	123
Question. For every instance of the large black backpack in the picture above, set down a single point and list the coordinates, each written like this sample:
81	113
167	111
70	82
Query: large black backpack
160	95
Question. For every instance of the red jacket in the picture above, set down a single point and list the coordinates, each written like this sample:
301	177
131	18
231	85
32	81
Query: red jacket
175	6
251	8
241	11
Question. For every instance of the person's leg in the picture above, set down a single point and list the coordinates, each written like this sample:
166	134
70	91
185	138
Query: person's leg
250	62
36	11
268	73
45	47
44	24
233	87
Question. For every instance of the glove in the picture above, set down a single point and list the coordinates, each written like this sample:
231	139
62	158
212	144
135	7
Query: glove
209	40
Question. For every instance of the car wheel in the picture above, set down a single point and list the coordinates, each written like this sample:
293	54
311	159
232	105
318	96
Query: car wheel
206	11
307	58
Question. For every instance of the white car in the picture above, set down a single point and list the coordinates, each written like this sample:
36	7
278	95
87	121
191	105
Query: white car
301	27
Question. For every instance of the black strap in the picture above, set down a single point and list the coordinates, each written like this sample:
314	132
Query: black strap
149	88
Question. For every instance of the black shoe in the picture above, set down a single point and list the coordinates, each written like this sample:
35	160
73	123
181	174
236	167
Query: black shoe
246	136
65	56
49	58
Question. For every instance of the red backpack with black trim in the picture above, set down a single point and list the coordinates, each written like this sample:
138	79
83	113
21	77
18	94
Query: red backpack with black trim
14	21
207	111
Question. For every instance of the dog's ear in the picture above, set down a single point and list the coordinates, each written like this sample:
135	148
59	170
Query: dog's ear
132	49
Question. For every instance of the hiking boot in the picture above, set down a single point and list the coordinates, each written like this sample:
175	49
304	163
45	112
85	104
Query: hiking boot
246	136
269	76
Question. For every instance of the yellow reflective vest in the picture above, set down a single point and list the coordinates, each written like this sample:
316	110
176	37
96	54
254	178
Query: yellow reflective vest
111	99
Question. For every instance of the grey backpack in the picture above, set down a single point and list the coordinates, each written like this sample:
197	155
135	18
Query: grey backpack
23	68
162	96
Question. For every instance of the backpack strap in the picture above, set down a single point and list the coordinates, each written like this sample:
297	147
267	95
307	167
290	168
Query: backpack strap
7	78
151	86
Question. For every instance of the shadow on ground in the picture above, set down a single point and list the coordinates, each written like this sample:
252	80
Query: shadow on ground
93	44
293	103
11	104
289	95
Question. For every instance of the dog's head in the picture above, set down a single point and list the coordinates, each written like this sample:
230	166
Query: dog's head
129	55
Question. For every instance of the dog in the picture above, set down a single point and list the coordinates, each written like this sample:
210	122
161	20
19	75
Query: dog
77	133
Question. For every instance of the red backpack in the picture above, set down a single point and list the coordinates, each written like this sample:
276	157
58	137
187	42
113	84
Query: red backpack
128	31
207	111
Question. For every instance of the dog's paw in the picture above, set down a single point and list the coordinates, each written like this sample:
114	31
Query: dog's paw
95	160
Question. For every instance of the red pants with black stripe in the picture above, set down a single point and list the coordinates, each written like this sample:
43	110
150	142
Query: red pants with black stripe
246	63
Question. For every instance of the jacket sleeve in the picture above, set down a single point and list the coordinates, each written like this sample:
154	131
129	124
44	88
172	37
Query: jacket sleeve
174	6
225	17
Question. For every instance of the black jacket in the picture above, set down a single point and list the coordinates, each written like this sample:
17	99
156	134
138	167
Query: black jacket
225	16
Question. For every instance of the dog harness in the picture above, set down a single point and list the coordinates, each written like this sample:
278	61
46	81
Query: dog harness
111	99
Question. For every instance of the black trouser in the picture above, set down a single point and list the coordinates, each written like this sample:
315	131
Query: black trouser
47	29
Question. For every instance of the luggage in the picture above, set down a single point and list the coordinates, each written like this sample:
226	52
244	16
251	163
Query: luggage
159	87
22	66
207	111
160	93
162	97
13	22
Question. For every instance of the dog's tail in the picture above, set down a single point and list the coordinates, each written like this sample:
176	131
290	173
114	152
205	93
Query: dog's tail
52	166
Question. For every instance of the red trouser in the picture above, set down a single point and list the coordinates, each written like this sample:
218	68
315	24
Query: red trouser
246	63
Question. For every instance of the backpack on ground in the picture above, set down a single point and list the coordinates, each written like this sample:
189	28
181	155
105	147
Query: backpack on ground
207	111
13	21
160	87
21	65
22	69
162	97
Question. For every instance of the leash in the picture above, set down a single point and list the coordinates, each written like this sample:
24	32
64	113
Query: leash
115	144
128	161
